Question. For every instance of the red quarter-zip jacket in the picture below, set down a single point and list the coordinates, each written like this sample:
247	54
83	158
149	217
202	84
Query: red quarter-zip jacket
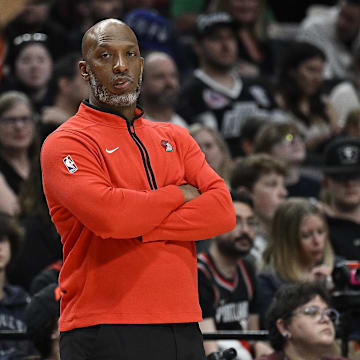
128	237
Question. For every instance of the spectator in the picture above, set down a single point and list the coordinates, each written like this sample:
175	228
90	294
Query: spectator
36	18
31	69
18	146
256	51
41	316
264	178
69	90
216	151
154	31
342	187
298	250
42	245
283	141
160	89
299	93
248	133
13	299
214	94
302	324
227	285
335	31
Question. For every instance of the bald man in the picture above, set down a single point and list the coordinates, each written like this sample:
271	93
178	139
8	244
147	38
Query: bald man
129	198
160	89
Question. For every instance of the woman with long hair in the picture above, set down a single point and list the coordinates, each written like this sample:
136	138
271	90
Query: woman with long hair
298	250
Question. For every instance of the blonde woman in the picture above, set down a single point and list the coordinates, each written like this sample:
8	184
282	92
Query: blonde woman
299	249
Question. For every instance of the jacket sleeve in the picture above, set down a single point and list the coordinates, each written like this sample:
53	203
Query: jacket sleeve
209	214
88	195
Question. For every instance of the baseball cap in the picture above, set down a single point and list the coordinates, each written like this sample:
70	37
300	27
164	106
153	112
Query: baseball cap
342	157
207	23
152	30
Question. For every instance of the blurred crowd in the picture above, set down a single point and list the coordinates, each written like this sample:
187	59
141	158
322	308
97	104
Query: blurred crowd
272	97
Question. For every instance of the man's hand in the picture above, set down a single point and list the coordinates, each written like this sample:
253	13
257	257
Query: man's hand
190	192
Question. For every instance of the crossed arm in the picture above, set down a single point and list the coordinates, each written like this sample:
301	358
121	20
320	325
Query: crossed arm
173	212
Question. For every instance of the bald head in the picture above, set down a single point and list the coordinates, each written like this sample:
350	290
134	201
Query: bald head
103	31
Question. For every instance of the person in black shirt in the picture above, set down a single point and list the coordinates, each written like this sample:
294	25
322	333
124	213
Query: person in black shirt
227	287
342	186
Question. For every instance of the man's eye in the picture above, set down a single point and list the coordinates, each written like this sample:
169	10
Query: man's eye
105	55
131	53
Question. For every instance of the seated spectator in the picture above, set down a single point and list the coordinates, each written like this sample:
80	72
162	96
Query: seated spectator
18	146
13	299
301	324
263	177
42	245
336	31
256	51
299	93
342	193
41	316
161	88
69	89
248	133
227	286
216	151
35	17
298	250
214	94
283	141
31	67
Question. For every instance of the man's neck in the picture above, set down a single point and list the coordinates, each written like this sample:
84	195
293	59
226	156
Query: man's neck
157	113
352	215
223	77
293	174
128	112
225	264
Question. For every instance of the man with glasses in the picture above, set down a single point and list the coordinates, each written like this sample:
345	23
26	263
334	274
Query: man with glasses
227	282
342	184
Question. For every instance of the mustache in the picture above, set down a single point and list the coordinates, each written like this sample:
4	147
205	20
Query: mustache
244	237
124	77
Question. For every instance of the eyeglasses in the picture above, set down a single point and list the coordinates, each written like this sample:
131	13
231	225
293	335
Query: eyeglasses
290	138
11	120
316	313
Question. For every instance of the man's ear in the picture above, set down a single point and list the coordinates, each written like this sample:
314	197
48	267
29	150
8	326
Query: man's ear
83	70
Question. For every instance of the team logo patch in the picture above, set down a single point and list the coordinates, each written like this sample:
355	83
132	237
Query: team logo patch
166	145
70	164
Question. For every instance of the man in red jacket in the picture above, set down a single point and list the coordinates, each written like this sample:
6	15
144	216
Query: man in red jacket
129	198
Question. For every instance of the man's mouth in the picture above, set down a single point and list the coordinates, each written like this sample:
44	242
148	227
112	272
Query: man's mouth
122	83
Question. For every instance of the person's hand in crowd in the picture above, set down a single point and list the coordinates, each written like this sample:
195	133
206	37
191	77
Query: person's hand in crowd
262	348
320	272
190	192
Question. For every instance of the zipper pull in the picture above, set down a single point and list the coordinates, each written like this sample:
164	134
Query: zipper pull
132	129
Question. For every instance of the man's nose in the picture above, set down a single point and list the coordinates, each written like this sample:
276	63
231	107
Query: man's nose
120	64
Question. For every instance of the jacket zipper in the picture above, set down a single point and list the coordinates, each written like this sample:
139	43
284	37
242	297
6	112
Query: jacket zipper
144	155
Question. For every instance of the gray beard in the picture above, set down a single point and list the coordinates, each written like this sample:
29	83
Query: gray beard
104	96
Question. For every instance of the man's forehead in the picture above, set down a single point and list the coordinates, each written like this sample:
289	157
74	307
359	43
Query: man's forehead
109	31
242	209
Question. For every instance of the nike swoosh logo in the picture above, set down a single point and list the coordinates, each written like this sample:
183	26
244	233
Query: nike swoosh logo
111	151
